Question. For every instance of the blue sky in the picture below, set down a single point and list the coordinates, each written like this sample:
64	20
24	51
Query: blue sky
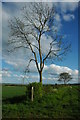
70	29
12	64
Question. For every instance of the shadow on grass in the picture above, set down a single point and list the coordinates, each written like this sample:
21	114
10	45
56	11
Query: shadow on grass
17	99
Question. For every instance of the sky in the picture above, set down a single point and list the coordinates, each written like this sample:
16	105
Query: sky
14	63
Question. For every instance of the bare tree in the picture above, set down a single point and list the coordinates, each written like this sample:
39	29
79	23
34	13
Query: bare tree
66	77
38	20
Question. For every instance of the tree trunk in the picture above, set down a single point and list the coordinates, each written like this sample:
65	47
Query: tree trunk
40	73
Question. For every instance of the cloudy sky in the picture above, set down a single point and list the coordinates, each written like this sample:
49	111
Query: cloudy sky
13	64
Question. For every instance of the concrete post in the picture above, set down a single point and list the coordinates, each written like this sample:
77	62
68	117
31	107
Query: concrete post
31	93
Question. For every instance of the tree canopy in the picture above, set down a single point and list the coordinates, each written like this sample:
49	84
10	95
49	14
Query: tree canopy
65	77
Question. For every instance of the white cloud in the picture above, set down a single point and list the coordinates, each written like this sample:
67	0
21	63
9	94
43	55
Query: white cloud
5	73
50	73
21	76
64	7
67	6
48	69
68	17
45	43
57	17
12	63
75	72
7	15
58	20
56	69
34	77
15	75
45	67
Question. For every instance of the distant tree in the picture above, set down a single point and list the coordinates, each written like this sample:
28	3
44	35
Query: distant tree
66	77
27	31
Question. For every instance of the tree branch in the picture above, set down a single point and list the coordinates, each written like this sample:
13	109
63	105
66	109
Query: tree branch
30	62
32	52
12	50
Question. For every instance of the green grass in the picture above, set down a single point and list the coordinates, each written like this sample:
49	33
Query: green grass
12	91
57	102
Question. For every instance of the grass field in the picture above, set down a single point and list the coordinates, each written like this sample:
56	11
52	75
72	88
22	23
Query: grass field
56	102
12	91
